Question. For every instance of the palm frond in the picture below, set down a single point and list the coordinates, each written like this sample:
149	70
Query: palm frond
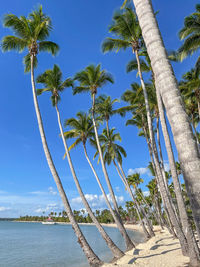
132	65
40	91
13	43
77	142
48	46
111	44
18	25
80	89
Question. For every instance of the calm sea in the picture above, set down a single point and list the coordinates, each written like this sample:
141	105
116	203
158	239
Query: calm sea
34	244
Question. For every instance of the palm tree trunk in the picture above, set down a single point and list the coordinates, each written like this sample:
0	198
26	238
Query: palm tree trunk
129	243
150	212
169	225
163	170
150	229
192	245
102	190
166	84
160	175
158	214
92	258
159	144
138	208
115	250
146	233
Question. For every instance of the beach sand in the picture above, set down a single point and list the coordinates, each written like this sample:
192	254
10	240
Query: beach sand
159	251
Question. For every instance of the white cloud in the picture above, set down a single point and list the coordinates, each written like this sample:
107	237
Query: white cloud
95	201
4	208
139	170
52	191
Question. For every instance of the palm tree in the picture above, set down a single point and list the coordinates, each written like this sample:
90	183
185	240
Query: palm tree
167	86
82	129
157	105
136	101
190	34
189	87
113	153
52	81
91	79
104	108
31	33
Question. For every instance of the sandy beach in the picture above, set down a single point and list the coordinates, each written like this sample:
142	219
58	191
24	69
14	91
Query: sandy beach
160	251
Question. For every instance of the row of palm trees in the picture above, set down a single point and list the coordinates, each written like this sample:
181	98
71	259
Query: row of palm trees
148	102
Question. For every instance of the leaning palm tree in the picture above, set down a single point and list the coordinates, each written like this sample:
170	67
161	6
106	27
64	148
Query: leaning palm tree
113	152
31	34
82	129
178	119
189	86
91	79
127	28
52	81
137	103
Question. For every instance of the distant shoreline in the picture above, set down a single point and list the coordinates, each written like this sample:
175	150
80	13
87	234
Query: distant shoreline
134	227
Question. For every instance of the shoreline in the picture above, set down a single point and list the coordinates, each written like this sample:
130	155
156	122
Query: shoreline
133	227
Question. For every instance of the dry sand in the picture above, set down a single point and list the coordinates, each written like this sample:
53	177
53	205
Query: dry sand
159	251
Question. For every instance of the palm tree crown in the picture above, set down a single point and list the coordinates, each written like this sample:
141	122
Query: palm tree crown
111	150
125	26
134	179
30	33
92	78
81	128
104	107
190	33
52	81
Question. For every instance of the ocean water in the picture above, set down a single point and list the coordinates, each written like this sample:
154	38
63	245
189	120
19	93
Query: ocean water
35	244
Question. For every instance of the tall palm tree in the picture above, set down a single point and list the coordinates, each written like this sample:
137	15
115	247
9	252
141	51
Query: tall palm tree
113	153
167	86
82	130
91	79
52	81
137	101
191	82
118	29
31	34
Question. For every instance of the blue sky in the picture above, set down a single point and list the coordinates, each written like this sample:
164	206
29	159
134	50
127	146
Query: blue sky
26	184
